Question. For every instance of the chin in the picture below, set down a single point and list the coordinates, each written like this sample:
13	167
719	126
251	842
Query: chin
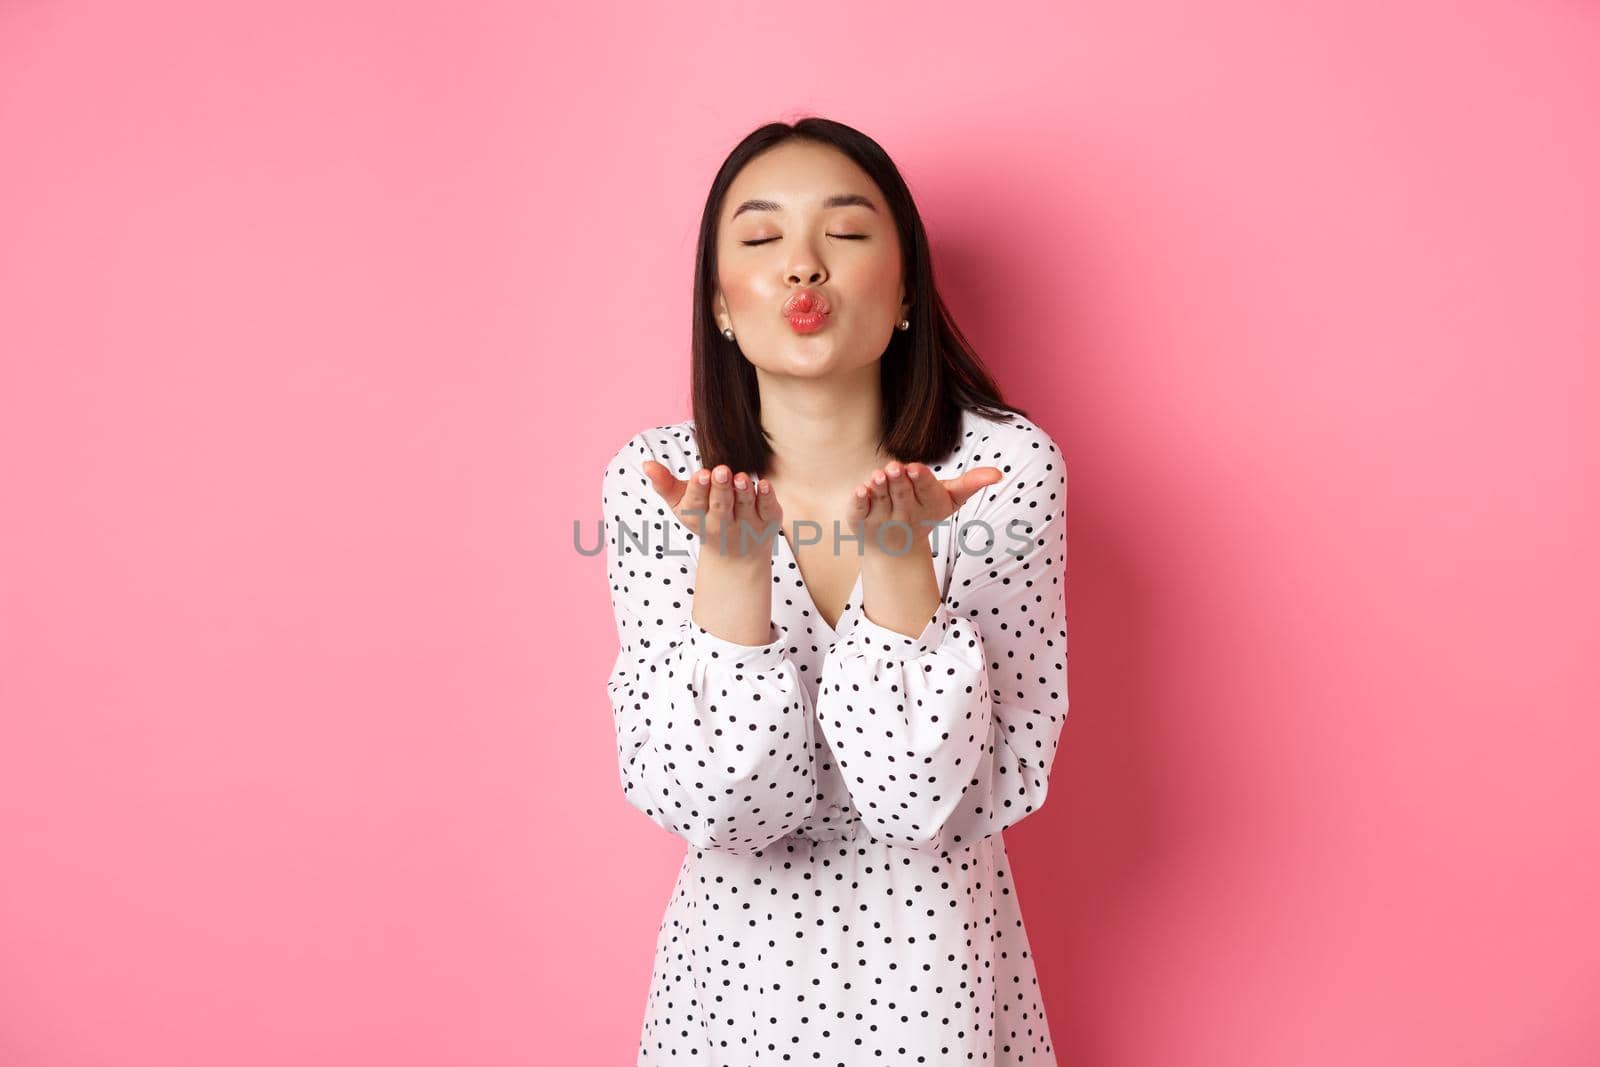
803	359
832	367
804	368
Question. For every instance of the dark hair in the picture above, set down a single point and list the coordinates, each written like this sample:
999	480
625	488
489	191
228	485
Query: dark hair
928	373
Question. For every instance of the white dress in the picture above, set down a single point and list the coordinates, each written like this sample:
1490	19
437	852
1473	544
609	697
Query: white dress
845	897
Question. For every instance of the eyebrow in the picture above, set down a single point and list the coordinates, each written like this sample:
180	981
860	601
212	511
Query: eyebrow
838	200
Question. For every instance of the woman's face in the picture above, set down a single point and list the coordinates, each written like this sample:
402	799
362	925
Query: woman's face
848	254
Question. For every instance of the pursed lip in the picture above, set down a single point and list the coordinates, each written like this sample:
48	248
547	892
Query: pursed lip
819	304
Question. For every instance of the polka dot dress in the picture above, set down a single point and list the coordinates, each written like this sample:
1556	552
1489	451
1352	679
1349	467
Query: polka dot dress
845	897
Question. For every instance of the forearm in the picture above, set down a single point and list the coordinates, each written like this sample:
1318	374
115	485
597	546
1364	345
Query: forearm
685	709
899	593
733	597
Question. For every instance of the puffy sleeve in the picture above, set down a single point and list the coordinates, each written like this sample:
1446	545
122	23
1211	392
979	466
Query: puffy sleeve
948	737
714	738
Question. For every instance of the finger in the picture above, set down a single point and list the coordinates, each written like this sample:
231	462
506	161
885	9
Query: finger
743	497
879	485
917	477
695	497
663	481
767	506
860	504
747	523
722	492
900	492
971	481
719	510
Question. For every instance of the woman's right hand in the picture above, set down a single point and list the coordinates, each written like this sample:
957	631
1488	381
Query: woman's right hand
713	510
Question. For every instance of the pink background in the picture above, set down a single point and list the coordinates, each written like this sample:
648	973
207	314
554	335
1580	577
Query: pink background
319	320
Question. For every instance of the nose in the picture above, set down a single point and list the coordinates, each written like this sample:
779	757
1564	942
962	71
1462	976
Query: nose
804	270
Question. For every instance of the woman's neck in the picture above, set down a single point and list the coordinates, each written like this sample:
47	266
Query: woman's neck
824	434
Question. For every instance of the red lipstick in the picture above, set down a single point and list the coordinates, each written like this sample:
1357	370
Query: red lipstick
806	311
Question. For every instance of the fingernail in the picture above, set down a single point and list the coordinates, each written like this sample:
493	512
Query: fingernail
705	477
721	476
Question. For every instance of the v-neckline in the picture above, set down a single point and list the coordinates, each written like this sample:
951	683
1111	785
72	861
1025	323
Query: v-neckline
851	602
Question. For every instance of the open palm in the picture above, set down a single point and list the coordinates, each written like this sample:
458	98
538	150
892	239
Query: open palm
910	493
715	511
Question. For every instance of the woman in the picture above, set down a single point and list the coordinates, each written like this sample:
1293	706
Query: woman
841	710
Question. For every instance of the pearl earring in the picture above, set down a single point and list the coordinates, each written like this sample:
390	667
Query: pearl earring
728	333
905	324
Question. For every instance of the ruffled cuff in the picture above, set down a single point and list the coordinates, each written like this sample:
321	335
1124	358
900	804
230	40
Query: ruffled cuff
702	642
870	638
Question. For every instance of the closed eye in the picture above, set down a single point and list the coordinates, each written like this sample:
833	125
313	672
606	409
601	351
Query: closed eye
843	236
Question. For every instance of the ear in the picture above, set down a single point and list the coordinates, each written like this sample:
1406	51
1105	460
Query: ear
720	310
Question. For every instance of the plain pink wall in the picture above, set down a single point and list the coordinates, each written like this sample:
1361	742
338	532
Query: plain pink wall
318	322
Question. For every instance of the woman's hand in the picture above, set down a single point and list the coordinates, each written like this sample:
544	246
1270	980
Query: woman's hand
910	493
730	514
714	503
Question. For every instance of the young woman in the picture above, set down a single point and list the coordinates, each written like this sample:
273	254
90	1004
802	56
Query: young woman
841	710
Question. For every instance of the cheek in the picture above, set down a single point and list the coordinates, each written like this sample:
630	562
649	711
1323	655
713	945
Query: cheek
743	289
878	277
883	262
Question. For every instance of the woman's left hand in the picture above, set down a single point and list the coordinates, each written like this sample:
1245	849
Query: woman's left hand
909	493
